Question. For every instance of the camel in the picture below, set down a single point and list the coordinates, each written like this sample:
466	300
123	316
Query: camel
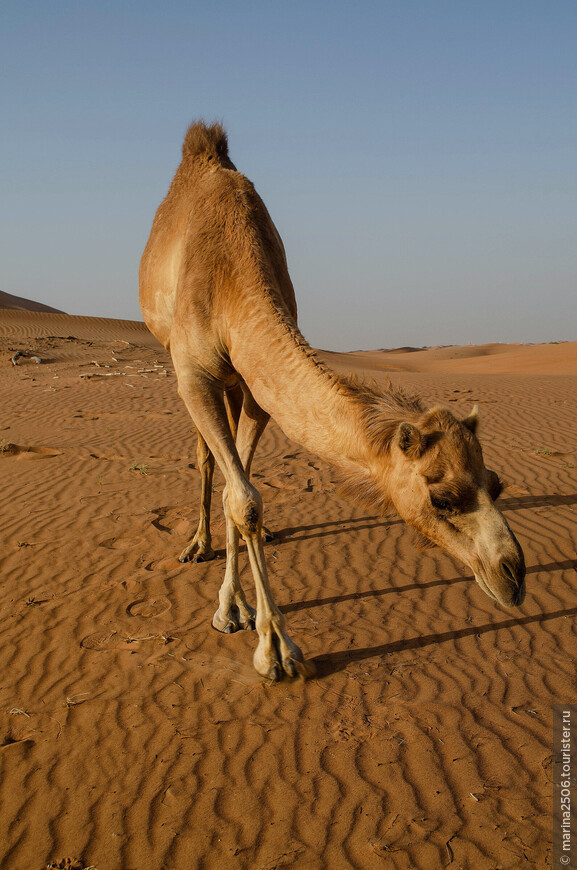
215	290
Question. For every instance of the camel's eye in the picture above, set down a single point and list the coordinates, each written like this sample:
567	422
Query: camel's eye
441	504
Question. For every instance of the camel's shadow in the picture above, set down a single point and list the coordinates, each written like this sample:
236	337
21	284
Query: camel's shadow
331	528
293	534
327	529
330	663
528	501
395	590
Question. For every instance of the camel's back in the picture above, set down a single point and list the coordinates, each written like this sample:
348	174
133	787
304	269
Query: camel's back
212	242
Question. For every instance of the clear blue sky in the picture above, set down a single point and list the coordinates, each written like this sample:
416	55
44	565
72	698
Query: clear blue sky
418	158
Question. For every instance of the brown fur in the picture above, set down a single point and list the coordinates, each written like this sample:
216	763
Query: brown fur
210	142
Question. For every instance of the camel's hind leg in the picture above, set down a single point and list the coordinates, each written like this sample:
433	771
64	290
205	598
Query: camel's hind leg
199	548
276	652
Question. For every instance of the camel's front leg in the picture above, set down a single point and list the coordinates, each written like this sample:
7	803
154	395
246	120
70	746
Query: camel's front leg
233	611
276	652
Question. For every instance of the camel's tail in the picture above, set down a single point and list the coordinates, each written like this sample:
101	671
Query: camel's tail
204	140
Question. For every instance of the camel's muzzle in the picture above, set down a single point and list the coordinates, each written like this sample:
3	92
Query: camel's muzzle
503	580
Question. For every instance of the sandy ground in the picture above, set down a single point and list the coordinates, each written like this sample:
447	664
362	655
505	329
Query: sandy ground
135	737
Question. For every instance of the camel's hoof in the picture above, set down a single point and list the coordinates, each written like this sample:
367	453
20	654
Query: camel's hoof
224	624
267	536
248	623
291	668
275	673
234	620
283	658
189	555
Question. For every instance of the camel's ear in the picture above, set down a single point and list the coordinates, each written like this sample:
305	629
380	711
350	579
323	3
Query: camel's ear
472	421
494	485
410	440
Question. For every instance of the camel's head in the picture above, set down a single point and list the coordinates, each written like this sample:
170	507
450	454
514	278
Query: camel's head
440	486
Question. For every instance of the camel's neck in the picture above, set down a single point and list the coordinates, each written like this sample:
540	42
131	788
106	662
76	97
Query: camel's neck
289	382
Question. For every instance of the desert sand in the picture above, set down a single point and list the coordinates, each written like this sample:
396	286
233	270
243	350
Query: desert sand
135	737
18	303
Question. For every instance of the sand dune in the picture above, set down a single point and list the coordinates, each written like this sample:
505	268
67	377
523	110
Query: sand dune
496	359
135	736
20	325
18	303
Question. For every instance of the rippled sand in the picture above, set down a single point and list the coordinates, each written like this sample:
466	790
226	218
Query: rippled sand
133	735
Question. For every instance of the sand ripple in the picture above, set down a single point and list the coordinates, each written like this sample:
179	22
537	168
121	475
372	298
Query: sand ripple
135	736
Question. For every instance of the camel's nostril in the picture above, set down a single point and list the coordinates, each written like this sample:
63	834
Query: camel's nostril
507	571
515	578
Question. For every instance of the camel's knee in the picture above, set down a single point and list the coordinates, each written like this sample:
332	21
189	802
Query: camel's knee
245	508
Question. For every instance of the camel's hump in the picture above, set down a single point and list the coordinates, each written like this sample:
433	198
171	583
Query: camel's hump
208	140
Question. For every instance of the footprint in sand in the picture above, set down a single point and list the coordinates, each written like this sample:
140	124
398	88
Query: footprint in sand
120	543
100	641
8	741
129	585
149	607
110	641
170	519
167	564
